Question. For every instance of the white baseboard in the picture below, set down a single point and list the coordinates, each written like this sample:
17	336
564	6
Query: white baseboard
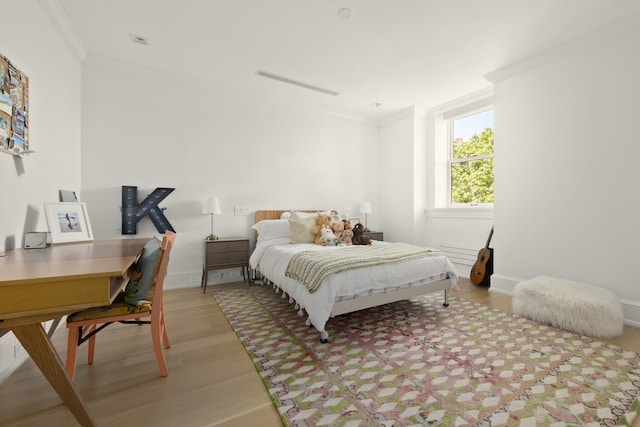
503	285
631	310
191	280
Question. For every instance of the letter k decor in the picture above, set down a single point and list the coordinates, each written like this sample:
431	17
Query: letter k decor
133	212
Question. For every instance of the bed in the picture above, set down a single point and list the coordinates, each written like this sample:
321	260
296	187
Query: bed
279	245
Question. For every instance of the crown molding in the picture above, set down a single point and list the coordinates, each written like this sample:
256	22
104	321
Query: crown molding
59	19
477	96
629	23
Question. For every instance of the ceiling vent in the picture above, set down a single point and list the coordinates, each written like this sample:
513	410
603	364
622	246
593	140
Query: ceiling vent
296	83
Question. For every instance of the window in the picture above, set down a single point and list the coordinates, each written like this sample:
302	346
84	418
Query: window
470	137
460	153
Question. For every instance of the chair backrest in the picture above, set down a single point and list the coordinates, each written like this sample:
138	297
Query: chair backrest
161	272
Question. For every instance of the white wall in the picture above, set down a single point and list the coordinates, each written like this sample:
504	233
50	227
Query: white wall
465	229
34	45
54	119
566	165
566	173
151	129
402	177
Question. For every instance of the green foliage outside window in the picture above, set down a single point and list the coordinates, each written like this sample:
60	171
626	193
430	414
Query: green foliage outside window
472	179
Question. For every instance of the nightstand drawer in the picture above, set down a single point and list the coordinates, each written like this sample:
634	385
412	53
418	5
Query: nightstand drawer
222	258
220	246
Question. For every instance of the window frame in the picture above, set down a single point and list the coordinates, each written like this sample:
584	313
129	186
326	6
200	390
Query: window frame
449	117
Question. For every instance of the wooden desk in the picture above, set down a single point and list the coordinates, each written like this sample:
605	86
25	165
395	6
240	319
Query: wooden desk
37	285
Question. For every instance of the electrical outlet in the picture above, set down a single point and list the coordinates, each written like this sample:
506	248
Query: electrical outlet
18	351
241	210
196	279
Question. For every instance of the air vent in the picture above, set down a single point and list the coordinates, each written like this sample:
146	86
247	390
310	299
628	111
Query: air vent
295	82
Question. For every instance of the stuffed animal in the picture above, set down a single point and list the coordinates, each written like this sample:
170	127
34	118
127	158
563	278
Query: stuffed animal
347	236
321	221
358	235
328	238
347	224
338	228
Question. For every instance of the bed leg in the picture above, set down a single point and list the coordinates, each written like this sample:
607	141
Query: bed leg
446	298
324	337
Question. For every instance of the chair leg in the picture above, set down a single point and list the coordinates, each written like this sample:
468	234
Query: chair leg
156	334
72	350
165	336
92	346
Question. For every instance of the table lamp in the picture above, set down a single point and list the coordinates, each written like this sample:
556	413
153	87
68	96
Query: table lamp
211	207
365	208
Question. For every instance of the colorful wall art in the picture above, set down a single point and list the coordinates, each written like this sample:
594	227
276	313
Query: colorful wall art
14	109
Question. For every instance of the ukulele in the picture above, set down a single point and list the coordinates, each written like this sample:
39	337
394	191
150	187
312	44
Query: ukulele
479	269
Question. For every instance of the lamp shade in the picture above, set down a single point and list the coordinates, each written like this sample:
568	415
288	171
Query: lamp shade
211	206
365	208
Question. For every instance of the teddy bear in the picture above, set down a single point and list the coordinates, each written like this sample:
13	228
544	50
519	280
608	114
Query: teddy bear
321	221
358	235
338	227
347	236
328	238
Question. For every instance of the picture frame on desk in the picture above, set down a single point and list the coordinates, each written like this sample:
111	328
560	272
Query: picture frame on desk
68	222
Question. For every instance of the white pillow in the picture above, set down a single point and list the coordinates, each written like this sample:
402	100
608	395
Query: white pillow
272	229
298	215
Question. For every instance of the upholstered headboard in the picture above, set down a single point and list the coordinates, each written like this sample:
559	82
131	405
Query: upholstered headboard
260	215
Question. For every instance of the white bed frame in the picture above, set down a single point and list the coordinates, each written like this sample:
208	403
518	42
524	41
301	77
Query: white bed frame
391	295
356	303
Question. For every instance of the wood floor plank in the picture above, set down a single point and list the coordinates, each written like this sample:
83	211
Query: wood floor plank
211	382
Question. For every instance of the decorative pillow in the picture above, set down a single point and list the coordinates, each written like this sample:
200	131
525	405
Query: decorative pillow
142	276
269	229
285	215
301	230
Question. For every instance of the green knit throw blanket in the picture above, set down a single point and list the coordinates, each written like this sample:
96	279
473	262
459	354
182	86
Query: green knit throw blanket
311	267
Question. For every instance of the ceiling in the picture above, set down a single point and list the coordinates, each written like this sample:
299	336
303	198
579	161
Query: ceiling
396	53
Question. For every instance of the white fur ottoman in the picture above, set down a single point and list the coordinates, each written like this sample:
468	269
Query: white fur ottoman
577	307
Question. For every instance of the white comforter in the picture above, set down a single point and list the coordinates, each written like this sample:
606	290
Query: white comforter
271	258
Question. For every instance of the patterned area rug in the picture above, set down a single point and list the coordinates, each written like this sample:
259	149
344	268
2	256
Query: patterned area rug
415	363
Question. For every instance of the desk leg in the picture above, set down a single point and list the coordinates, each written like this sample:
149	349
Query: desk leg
34	339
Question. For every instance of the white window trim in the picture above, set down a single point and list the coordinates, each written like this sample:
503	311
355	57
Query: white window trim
470	212
440	206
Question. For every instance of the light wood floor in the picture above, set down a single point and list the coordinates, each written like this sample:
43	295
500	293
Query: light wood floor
211	381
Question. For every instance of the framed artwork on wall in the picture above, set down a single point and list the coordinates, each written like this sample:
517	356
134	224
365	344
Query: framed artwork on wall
68	222
14	109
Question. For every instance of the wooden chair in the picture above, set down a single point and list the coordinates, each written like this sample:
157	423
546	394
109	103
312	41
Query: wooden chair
84	325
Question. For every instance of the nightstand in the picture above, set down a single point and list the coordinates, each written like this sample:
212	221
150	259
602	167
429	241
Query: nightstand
373	235
224	253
